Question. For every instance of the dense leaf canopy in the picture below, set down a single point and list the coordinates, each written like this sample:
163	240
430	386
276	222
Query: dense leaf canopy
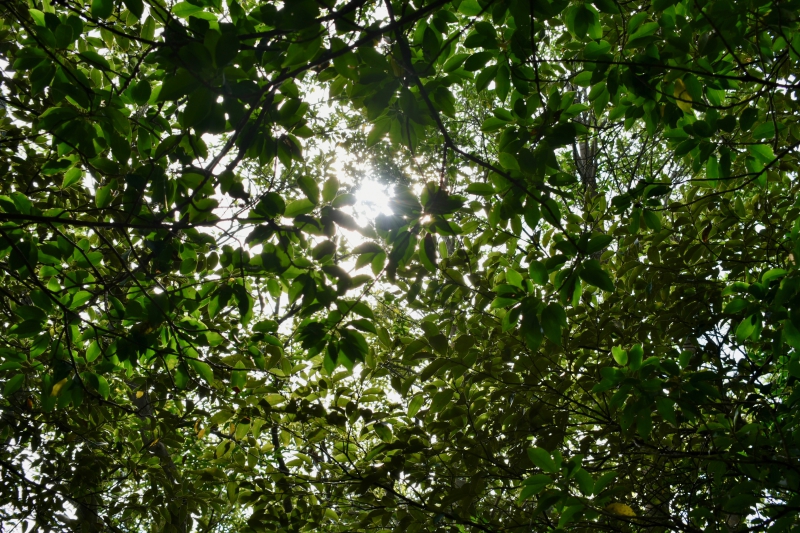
579	309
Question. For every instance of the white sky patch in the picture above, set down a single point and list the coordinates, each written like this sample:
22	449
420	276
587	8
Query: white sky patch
372	200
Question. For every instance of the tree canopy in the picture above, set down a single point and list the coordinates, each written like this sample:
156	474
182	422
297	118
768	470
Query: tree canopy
578	311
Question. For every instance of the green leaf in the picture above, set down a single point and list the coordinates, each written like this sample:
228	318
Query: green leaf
666	408
652	220
310	188
21	202
481	189
501	302
80	298
581	20
95	59
635	356
620	355
38	17
514	278
485	77
493	124
748	118
363	309
136	7
203	369
181	376
606	6
383	431
363	325
102	9
427	253
551	212
198	107
635	222
603	481
97	382
593	274
508	161
469	8
553	320
186	10
735	306
534	485
299	207
477	61
415	404
102	386
379	130
585	482
446	101
31	312
599	242
441	399
330	189
13	384
538	273
502	82
27	329
344	200
542	459
772	274
455	62
93	352
177	86
569	513
71	177
747	327
762	152
353	345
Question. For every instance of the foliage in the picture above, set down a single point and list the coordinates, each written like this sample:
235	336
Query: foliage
582	312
